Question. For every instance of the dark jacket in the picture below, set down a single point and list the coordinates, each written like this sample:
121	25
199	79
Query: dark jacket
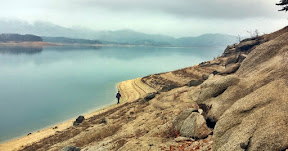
118	95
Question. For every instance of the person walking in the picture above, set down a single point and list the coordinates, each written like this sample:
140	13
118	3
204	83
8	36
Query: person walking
118	95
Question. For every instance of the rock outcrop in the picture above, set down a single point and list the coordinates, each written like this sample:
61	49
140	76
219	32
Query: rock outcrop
258	118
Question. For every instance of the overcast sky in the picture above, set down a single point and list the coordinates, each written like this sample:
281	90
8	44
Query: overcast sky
171	17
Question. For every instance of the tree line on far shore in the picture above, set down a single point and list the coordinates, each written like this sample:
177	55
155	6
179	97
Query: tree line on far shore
19	38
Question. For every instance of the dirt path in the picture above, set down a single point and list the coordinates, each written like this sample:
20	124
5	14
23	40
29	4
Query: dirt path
132	90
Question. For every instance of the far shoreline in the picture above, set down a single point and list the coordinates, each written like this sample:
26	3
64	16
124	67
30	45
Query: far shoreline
39	44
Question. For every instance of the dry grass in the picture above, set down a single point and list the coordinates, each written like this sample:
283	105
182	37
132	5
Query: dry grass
140	132
99	135
178	94
119	143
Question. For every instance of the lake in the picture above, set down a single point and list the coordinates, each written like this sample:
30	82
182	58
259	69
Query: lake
41	87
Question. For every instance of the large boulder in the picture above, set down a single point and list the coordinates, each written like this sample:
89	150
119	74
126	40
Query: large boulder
178	121
195	126
79	120
150	96
194	83
232	68
216	86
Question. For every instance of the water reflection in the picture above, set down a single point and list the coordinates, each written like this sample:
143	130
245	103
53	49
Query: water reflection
20	50
34	50
122	53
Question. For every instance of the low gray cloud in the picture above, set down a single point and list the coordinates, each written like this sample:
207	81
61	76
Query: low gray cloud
177	18
226	9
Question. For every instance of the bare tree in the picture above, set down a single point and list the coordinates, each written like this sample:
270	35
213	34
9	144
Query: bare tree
284	4
239	38
254	34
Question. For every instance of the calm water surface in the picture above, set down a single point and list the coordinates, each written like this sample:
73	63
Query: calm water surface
42	87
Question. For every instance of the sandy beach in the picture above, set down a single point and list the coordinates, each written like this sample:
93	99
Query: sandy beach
27	44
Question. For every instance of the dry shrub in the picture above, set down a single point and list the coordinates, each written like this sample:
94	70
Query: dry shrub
119	143
97	136
177	94
140	132
51	140
171	132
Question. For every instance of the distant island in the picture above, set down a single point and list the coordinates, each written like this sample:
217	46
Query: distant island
22	43
19	38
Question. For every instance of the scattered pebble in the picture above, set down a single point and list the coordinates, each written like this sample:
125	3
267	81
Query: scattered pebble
181	139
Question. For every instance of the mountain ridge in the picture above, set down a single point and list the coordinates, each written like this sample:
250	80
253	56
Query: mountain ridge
125	36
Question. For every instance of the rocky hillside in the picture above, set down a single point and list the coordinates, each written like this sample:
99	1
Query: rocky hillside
238	101
245	103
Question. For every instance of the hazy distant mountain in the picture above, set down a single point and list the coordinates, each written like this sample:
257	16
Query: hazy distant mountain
207	40
65	40
129	36
107	37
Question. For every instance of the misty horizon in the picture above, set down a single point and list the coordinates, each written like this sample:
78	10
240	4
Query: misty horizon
15	22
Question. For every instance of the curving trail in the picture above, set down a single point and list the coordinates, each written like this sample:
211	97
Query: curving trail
132	90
